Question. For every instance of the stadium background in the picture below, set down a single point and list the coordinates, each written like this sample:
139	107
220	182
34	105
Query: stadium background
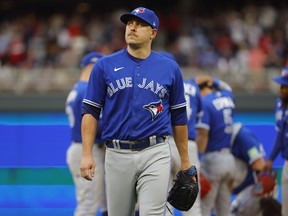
34	132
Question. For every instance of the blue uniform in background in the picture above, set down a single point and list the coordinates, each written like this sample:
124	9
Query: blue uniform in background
281	143
217	163
194	106
90	196
218	112
73	111
246	148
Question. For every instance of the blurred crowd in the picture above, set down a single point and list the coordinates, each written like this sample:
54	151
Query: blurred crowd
249	40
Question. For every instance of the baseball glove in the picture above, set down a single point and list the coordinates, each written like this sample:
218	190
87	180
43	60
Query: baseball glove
265	185
185	190
205	186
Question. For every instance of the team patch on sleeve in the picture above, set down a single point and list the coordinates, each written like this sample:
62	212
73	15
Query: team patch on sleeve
253	152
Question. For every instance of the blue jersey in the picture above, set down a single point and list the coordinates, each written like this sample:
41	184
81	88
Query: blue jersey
217	117
136	95
281	141
73	111
194	106
247	147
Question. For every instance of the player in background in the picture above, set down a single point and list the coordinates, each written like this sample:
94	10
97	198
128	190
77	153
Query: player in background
89	195
281	141
249	161
214	132
139	93
194	107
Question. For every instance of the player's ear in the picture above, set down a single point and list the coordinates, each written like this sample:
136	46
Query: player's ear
153	33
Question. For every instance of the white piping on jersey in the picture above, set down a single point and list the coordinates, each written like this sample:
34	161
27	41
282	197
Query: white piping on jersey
236	129
203	126
92	103
178	106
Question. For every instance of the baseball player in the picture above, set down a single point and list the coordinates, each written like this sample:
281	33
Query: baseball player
249	160
281	141
89	195
194	108
214	131
140	93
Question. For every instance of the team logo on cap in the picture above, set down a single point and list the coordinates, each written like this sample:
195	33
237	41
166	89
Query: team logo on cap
139	10
155	108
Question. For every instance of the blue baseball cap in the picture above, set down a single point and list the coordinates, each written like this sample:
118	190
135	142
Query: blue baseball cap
144	14
283	78
90	58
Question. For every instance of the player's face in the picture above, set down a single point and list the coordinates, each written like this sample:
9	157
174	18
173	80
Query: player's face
284	92
139	33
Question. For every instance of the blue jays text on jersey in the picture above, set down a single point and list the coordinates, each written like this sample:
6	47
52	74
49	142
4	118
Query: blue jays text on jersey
127	82
281	142
136	98
217	117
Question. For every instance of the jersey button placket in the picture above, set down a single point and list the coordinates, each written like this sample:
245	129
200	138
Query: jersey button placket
135	108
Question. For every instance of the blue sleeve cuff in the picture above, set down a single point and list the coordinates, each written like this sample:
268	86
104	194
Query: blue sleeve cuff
88	109
179	116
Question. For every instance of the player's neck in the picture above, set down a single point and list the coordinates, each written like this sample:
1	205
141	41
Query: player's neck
205	91
85	74
139	52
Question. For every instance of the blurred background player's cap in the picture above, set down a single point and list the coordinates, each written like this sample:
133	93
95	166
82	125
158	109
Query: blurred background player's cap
144	14
167	54
90	58
283	78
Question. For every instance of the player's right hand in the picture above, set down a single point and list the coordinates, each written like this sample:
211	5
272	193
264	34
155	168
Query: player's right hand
268	165
87	168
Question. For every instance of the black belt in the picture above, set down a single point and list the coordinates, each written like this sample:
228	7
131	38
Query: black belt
135	145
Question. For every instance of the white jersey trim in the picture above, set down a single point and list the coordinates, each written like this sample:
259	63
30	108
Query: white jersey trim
236	129
203	126
92	103
177	106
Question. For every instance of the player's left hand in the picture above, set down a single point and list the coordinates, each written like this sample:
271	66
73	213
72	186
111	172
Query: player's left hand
87	168
185	190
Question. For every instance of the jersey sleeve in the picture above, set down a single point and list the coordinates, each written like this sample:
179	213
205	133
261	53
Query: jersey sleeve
276	148
221	85
204	117
199	102
96	90
177	101
277	143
